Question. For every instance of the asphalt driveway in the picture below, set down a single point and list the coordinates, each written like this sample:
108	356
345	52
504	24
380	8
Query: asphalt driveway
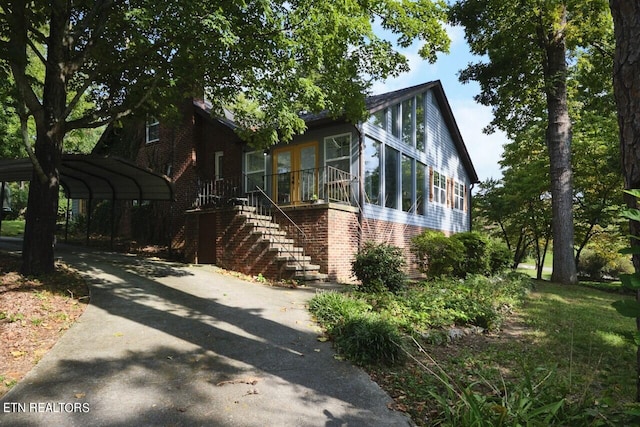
172	345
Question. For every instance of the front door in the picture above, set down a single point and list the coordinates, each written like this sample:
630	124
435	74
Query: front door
296	169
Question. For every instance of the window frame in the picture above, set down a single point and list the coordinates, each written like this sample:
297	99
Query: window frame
459	194
248	172
439	187
152	122
328	161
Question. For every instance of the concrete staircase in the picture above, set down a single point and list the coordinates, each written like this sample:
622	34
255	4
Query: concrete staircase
284	250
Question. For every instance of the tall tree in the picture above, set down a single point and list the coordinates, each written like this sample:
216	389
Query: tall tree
133	55
626	85
528	44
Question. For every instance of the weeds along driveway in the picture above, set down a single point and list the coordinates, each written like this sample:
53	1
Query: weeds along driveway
168	344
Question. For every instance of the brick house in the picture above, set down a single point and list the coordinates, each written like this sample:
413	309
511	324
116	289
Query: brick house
302	209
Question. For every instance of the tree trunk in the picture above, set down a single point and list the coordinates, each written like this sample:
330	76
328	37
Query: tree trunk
559	146
42	207
626	85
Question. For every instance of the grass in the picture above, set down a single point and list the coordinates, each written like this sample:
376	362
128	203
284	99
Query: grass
12	228
565	356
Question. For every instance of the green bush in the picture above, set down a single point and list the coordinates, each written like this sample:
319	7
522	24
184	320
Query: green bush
368	340
500	257
436	254
475	260
591	265
596	265
332	308
361	336
379	267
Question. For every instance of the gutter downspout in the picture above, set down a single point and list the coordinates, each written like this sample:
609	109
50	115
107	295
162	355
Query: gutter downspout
471	207
361	198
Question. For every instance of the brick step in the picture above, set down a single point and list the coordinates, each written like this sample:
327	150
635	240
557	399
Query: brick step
276	240
311	276
293	257
250	216
268	231
274	247
300	267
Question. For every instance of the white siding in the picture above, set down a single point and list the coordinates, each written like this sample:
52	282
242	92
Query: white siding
442	156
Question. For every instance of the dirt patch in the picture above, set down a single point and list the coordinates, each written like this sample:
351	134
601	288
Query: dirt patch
34	313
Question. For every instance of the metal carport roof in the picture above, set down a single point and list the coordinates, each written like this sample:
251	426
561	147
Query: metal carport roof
93	177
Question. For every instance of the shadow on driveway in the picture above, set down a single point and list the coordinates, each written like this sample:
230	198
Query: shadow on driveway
168	344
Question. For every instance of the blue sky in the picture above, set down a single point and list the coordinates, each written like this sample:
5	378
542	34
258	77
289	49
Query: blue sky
485	150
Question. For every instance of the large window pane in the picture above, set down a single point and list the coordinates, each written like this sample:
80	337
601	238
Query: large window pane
421	173
407	184
379	118
391	177
407	122
372	171
395	125
420	127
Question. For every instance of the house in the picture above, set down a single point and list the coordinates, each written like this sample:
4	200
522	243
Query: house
304	208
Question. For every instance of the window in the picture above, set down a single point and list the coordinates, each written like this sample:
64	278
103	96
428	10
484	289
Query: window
255	162
407	122
395	119
379	118
391	166
372	170
219	161
152	130
337	152
439	188
420	125
458	196
421	173
407	184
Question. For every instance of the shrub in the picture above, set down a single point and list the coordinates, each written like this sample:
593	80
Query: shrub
500	256
379	267
591	265
332	308
368	340
436	254
475	260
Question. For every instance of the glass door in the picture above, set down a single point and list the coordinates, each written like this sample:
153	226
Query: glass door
296	178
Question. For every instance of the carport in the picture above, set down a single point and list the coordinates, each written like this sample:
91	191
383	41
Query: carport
90	177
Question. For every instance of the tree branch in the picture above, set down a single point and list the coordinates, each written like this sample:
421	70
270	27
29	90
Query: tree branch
24	117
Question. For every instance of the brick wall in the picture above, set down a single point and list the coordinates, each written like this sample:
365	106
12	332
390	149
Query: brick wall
186	152
332	232
395	234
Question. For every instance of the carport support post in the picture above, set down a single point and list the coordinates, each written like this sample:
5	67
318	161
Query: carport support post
66	221
1	204
88	221
113	220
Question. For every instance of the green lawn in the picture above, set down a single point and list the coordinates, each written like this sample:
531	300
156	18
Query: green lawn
12	228
565	354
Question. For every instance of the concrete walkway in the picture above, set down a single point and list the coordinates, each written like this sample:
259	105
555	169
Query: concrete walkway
166	344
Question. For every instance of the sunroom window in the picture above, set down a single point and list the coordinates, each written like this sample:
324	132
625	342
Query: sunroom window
338	151
372	171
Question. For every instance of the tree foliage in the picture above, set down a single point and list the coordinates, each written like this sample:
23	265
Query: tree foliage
528	45
107	59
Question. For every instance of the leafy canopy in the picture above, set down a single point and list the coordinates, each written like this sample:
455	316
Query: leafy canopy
124	57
